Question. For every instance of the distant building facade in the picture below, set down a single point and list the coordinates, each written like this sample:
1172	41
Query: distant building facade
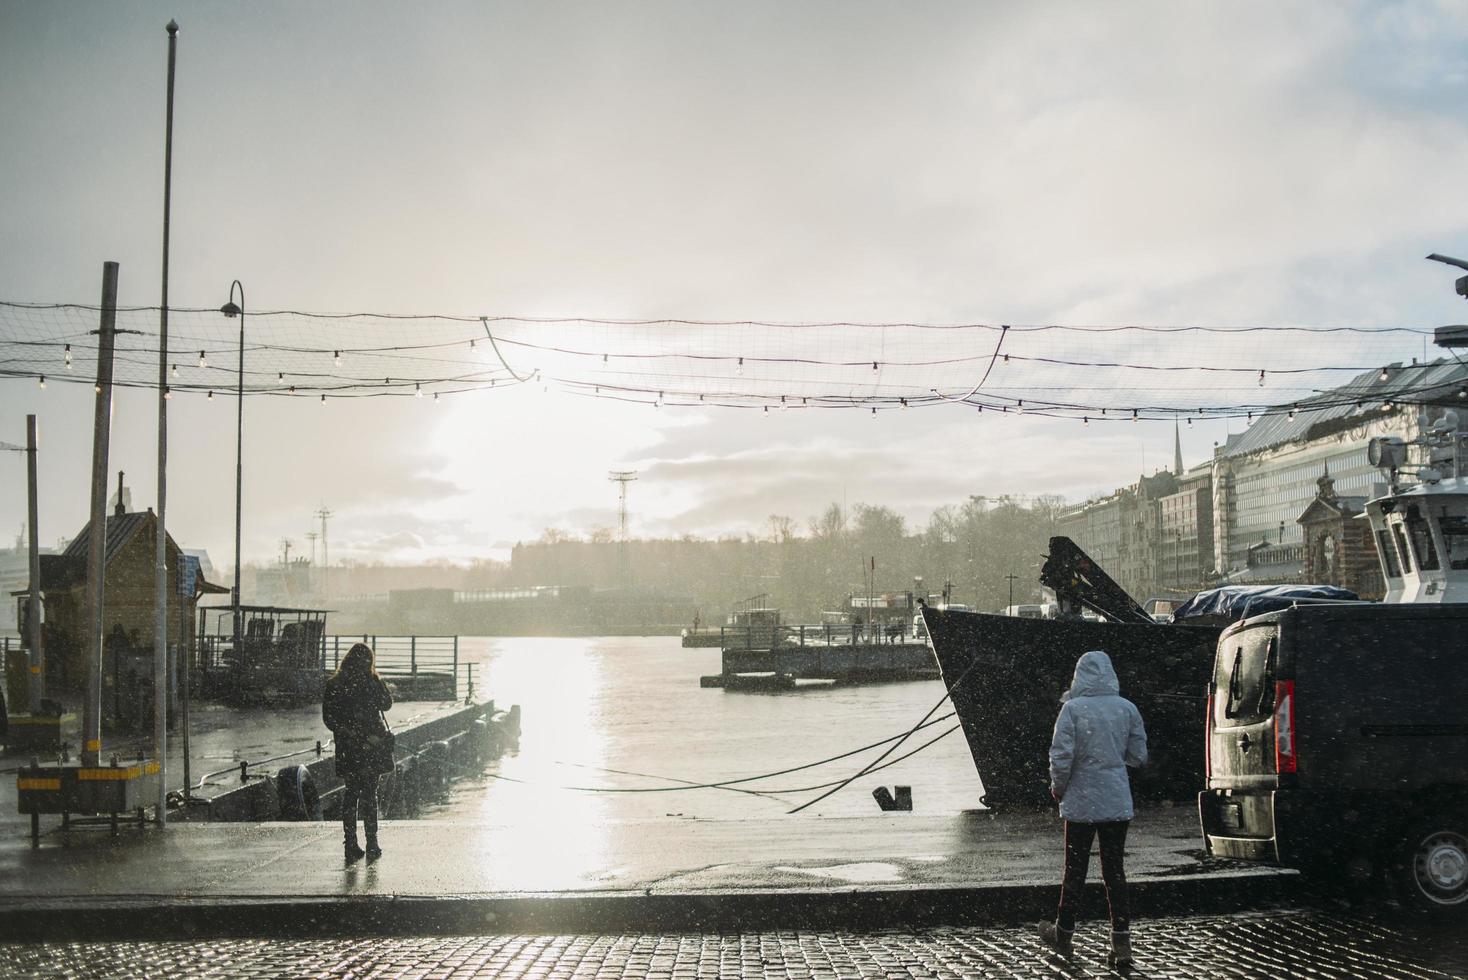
1279	502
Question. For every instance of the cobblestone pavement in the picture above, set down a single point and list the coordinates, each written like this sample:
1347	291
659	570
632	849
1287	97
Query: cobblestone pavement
1284	943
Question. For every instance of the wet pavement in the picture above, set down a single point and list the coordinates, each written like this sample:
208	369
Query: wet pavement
1303	942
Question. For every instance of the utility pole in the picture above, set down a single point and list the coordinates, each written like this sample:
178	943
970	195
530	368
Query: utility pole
33	599
97	537
1011	577
311	536
160	569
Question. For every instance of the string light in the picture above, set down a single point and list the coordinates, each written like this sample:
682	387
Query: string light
293	389
1085	420
1261	377
1134	415
1387	405
1293	410
174	371
68	357
42	382
323	398
203	361
1190	420
903	400
280	376
435	396
874	413
417	390
739	368
874	365
211	397
336	356
1383	375
97	388
1463	392
1020	407
167	393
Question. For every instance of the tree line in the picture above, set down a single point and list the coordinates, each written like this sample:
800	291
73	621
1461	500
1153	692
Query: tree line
812	568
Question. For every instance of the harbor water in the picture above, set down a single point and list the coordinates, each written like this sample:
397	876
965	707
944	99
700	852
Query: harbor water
627	713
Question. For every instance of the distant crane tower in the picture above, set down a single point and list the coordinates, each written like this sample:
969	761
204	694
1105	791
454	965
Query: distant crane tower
323	514
622	477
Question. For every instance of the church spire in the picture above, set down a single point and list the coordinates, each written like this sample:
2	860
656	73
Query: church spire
1177	450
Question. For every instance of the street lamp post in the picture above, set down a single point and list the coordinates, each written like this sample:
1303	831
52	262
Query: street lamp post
230	309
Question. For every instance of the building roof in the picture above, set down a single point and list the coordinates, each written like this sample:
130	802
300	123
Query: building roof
120	529
1359	400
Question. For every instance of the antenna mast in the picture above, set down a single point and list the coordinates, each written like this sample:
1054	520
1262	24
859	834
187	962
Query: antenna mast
323	514
622	478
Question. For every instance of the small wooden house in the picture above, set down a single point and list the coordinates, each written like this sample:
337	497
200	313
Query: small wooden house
128	613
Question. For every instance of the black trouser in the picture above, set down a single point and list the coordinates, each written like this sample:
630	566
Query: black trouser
1078	837
360	793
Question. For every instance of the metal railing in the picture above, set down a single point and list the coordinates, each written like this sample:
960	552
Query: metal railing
825	635
399	657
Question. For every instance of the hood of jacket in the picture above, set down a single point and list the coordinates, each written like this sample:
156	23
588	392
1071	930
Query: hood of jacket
1094	676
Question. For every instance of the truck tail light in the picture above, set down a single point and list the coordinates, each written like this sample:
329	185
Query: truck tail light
1284	726
1208	737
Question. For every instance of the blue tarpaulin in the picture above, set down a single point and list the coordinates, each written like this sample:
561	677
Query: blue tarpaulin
1237	601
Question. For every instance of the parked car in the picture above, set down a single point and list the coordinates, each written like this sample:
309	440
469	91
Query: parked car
1338	734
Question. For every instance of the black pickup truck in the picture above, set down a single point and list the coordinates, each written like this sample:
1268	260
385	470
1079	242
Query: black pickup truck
1338	734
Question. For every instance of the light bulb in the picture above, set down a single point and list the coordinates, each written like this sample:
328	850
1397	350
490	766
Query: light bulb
203	361
167	393
42	382
1020	407
337	357
280	376
417	390
739	368
1085	420
874	413
1190	420
874	365
1383	375
68	357
1261	377
323	398
211	397
1293	410
174	371
1134	415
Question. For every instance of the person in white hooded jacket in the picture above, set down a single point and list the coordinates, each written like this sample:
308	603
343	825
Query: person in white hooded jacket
1097	736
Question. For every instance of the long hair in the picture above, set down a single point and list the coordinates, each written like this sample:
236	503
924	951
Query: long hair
359	662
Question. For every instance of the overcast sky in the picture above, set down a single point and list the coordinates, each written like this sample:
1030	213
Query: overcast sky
1227	163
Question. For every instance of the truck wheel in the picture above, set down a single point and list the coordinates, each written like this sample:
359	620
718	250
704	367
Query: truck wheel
1432	871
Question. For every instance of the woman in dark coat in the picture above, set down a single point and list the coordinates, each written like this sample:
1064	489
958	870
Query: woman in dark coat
352	707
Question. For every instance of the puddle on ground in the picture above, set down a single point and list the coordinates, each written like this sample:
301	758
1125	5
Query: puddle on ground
866	872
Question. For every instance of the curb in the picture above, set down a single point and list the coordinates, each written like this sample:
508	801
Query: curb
148	918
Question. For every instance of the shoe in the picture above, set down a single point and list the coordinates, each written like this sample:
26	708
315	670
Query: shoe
373	851
1055	937
1120	957
352	851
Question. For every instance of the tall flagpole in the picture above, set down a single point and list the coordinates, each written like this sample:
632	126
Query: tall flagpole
160	566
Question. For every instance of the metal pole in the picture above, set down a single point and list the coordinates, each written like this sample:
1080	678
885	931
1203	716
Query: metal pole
37	665
185	665
239	466
97	543
160	560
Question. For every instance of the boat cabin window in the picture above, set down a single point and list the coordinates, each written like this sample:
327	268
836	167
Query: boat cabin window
1388	555
1422	543
1455	540
1402	549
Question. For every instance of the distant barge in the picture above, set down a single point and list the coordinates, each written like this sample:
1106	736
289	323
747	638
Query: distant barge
759	653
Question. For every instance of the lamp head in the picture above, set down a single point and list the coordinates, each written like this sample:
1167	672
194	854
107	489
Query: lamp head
230	309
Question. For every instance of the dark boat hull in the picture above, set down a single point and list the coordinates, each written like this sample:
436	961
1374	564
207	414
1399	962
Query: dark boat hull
1005	676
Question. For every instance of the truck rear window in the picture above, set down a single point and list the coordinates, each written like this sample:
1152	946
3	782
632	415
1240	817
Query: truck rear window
1244	677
